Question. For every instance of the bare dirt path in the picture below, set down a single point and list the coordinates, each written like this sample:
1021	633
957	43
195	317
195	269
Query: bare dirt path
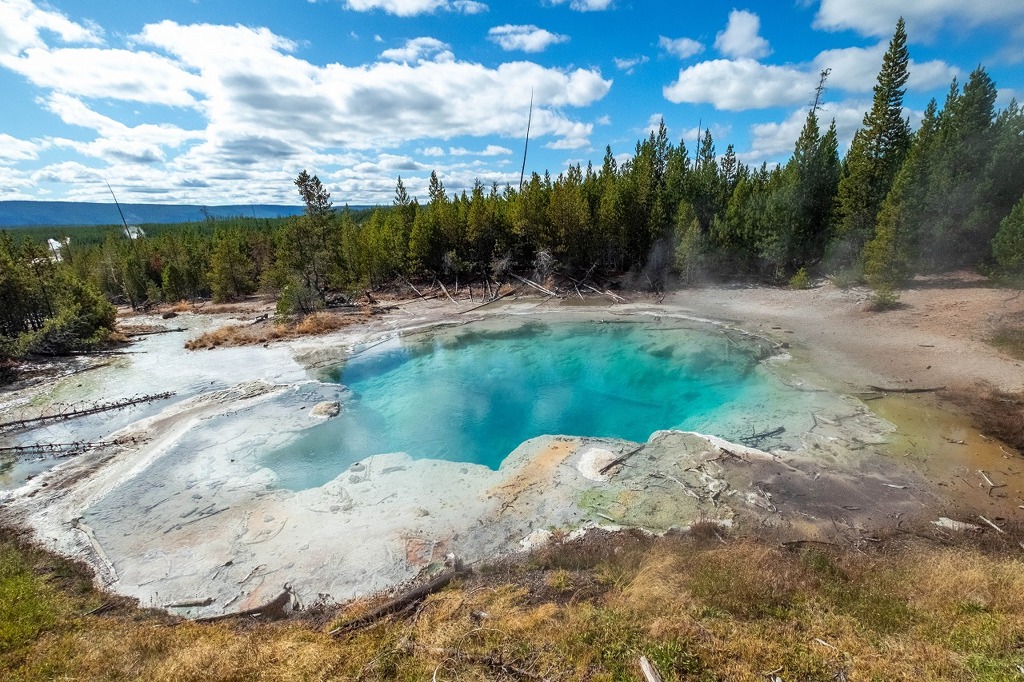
936	338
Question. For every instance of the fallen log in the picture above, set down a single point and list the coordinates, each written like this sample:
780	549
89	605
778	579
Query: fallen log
493	300
534	285
446	292
608	467
158	331
756	438
414	289
272	610
400	602
907	390
57	450
83	412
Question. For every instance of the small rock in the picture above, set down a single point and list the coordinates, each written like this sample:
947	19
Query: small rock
169	315
327	409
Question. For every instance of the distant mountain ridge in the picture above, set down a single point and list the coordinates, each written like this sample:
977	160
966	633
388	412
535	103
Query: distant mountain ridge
33	213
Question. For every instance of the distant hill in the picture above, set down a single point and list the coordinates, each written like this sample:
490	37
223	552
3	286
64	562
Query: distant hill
33	213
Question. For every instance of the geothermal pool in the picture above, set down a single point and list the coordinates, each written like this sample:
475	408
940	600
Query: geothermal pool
474	393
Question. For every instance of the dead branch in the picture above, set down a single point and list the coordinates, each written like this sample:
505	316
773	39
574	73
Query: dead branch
445	290
493	300
608	467
82	412
399	602
64	449
651	673
158	331
907	390
992	524
414	289
757	438
534	285
272	610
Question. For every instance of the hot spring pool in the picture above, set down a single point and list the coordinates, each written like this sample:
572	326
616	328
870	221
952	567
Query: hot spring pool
475	393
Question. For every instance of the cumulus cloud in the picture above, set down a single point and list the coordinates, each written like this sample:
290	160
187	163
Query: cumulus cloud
737	85
419	48
740	38
411	8
923	17
680	47
14	149
261	113
772	142
528	38
489	150
629	65
585	5
23	24
742	84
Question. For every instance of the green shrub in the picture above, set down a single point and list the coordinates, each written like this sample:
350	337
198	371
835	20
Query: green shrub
801	280
885	298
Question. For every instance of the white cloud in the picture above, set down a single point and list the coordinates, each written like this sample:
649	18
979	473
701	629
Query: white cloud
855	69
629	65
22	25
419	48
680	47
740	38
527	38
117	143
742	84
258	113
737	85
653	123
489	150
13	149
100	72
469	7
923	17
585	5
411	8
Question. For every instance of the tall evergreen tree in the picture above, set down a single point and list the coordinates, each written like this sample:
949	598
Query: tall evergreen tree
875	155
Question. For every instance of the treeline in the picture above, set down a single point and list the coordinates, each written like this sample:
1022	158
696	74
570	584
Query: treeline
900	203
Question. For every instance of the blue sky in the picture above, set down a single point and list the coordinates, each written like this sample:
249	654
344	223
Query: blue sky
225	101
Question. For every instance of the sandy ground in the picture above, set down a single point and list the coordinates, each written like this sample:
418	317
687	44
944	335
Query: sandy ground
192	515
936	338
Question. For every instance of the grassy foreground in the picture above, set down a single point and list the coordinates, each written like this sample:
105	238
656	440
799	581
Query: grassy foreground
698	609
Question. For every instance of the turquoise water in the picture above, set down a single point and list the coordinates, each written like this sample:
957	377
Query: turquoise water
476	393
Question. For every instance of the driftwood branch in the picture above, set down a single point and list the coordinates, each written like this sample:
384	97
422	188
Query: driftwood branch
272	610
881	389
445	290
57	450
534	285
756	438
493	300
615	462
399	602
651	673
82	412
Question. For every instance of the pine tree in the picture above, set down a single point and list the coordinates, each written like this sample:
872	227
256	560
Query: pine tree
1008	245
875	155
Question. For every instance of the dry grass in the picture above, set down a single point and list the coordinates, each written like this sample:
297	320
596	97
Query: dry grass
265	332
997	413
1009	339
698	611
